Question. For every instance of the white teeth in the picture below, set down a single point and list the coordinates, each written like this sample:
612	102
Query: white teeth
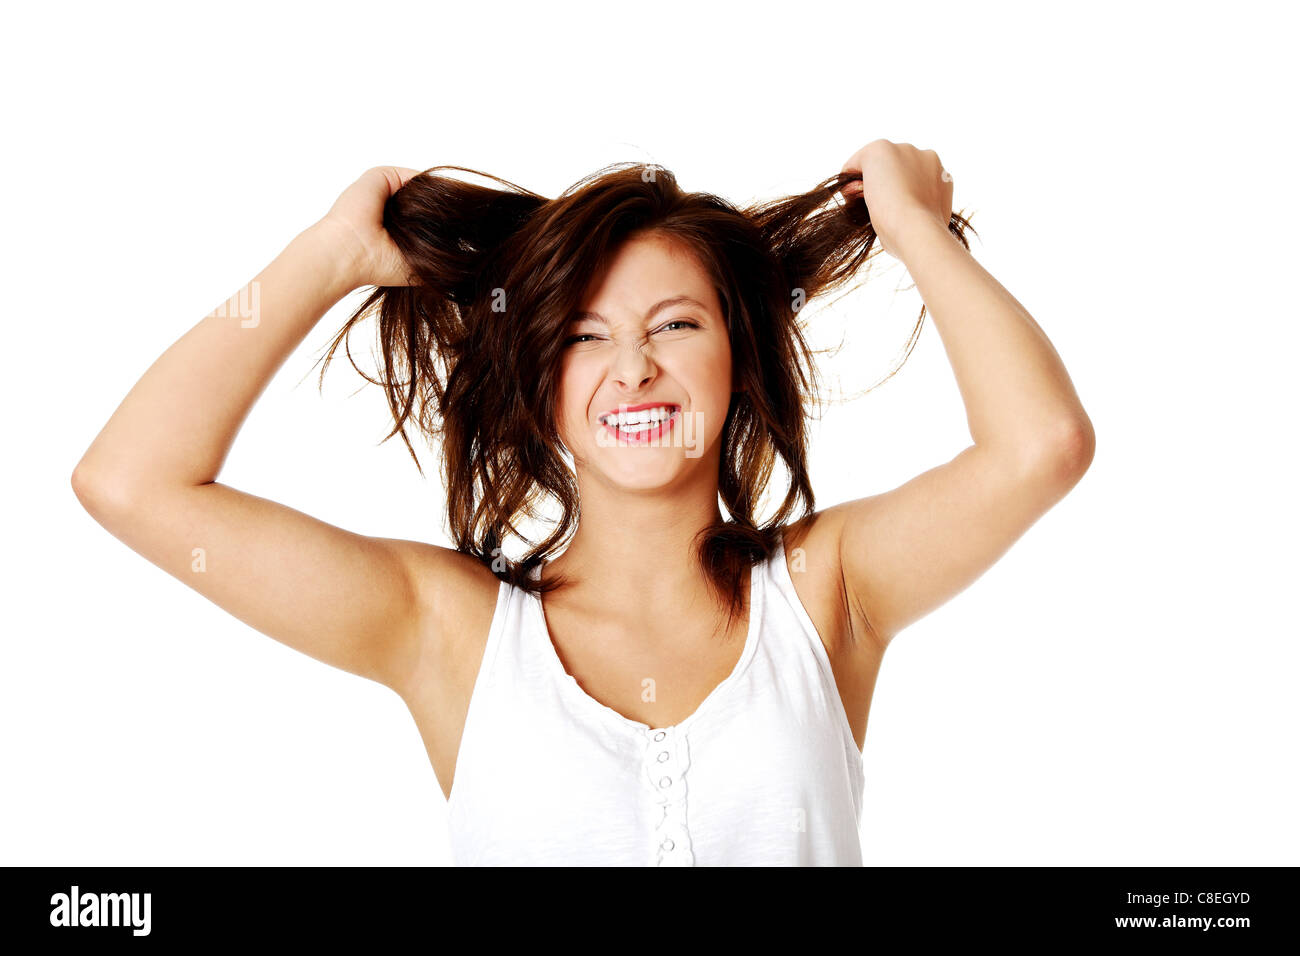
648	416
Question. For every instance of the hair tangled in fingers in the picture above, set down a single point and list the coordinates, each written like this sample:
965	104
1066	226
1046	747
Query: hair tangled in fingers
471	352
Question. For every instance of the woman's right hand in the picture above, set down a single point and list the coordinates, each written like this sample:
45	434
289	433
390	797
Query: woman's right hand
356	221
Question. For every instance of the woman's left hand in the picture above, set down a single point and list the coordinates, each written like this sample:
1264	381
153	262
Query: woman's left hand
900	185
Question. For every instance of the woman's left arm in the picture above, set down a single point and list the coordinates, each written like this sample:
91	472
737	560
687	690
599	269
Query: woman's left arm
905	552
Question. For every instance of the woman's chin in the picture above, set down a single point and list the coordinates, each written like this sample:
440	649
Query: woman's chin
653	470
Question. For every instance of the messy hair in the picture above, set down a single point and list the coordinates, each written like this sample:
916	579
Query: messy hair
472	348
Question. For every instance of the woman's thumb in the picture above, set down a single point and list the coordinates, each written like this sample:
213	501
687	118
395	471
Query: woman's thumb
398	176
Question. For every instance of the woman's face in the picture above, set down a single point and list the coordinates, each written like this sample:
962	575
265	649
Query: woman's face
652	333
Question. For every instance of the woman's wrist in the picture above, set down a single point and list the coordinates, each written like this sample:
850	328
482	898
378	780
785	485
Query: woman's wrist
339	253
914	233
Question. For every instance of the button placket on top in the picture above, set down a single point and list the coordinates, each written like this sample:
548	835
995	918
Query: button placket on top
667	758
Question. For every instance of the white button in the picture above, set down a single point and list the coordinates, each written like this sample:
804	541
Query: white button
667	844
663	755
665	781
660	735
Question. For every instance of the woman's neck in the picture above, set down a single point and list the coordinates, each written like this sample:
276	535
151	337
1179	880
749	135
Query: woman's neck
638	548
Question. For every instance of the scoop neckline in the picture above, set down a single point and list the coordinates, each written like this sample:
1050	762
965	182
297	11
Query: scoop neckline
609	714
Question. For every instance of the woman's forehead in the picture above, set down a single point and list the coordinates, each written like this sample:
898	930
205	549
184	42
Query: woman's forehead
644	275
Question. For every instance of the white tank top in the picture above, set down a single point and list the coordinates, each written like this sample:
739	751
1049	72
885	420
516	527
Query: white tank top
764	773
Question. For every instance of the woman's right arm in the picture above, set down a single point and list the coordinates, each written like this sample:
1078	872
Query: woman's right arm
365	605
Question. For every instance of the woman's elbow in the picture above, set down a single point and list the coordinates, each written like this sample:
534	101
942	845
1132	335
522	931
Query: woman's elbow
1066	454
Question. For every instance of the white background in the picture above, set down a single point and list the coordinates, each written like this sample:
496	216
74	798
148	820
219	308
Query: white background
1119	689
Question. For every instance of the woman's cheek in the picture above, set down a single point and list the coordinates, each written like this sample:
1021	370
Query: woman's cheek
709	379
573	417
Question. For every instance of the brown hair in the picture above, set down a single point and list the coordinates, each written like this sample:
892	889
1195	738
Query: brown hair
472	349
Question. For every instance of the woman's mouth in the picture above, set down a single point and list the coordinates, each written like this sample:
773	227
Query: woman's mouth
641	427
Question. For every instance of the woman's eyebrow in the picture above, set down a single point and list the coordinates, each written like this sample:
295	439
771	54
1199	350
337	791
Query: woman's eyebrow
650	313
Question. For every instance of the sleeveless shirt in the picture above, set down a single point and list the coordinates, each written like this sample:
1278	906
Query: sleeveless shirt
765	772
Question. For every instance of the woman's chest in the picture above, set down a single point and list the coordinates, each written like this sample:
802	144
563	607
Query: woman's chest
655	677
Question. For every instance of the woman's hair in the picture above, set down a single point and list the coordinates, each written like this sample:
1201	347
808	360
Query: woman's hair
472	349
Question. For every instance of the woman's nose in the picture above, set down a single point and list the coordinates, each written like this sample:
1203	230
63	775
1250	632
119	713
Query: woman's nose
633	367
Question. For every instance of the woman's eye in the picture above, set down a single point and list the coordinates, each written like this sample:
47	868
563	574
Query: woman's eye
577	339
686	322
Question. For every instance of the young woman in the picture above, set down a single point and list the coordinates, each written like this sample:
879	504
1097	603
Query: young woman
675	687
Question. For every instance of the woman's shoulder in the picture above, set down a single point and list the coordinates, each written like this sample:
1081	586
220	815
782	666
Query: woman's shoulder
815	533
443	573
811	553
456	595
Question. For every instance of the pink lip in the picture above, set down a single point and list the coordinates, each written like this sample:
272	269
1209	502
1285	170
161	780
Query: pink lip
650	434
